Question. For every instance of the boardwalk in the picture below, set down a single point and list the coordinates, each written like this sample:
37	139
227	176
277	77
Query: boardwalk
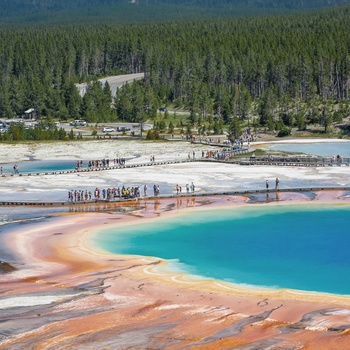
300	161
294	161
181	195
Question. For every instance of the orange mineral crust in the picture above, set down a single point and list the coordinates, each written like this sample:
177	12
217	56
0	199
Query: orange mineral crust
66	294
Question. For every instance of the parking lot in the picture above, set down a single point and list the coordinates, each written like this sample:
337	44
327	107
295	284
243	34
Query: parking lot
106	128
82	128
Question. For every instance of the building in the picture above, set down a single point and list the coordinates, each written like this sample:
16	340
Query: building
30	114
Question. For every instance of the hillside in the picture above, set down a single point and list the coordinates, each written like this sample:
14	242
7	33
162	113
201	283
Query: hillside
278	71
282	4
95	11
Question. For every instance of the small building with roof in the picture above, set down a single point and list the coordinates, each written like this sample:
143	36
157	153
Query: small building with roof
30	114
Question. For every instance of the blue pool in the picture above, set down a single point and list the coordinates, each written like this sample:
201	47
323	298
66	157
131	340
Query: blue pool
320	149
299	247
41	166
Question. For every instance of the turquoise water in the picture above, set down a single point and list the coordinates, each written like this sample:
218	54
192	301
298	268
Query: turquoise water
299	247
41	166
320	149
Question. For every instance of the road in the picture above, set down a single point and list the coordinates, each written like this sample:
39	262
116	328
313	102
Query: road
114	82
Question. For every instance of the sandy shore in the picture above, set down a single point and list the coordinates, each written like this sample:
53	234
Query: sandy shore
66	294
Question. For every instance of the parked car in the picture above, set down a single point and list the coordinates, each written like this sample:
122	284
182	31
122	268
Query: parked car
122	128
108	130
78	123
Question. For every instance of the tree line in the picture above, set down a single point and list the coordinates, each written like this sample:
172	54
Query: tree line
25	7
287	4
278	67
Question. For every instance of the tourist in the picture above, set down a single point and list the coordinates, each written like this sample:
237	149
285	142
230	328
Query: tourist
267	184
177	189
192	187
277	183
145	190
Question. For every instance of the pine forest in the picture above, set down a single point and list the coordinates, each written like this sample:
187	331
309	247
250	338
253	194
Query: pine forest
275	71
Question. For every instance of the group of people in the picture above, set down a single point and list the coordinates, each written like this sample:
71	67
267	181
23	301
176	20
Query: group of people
208	154
189	188
132	192
102	163
277	184
104	194
247	136
337	159
119	192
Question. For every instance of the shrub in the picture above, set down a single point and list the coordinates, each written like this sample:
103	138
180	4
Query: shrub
284	132
152	135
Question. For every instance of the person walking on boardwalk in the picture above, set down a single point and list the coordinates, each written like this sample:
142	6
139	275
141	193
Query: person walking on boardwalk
192	187
267	185
277	183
